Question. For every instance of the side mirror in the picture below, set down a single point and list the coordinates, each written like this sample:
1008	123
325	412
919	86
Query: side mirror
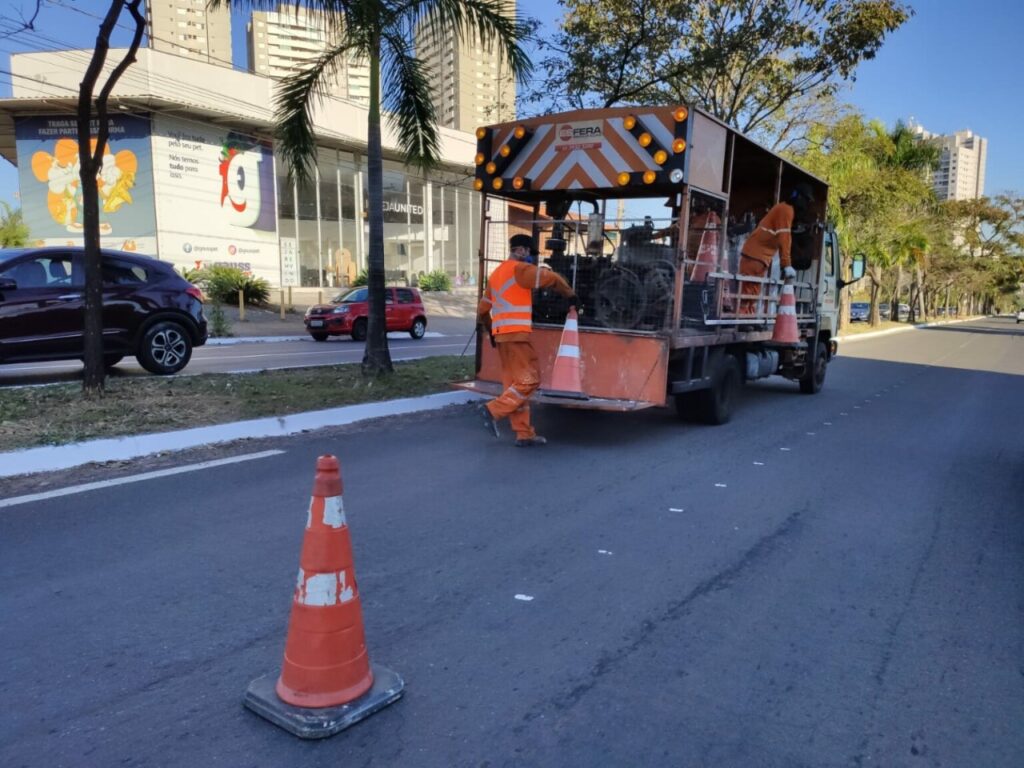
7	284
856	272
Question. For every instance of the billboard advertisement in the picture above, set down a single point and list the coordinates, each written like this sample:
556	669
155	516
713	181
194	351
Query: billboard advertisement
216	200
51	195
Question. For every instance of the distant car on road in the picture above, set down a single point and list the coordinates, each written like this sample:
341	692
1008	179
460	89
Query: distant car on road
347	314
859	311
149	311
1020	316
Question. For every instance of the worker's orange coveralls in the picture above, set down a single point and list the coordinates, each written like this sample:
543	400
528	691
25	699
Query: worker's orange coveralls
773	233
507	310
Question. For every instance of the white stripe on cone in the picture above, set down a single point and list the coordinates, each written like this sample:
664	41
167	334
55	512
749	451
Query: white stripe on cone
323	589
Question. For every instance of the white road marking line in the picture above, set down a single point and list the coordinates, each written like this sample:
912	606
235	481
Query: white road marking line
604	552
810	434
524	598
828	423
844	413
675	509
16	500
783	449
758	463
721	485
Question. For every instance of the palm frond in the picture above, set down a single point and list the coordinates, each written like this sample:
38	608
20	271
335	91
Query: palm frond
407	100
486	21
294	102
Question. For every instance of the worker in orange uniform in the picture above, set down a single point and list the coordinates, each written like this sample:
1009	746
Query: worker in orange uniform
506	312
774	233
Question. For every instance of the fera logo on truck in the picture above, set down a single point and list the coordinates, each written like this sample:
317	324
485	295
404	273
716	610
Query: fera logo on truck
573	136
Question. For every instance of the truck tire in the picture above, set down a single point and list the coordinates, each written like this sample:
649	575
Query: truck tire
714	405
812	381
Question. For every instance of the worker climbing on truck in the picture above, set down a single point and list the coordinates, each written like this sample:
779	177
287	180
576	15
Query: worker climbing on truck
506	312
774	233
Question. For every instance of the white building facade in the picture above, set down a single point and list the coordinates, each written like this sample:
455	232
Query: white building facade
961	171
191	177
187	28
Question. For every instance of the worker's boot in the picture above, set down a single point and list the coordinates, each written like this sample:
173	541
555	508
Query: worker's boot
529	442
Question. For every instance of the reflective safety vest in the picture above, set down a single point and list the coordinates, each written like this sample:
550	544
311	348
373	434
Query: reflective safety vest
511	304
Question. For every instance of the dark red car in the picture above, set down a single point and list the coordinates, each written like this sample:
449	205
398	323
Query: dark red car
347	313
149	311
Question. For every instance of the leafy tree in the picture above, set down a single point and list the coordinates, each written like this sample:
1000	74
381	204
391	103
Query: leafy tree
381	32
744	61
13	230
90	161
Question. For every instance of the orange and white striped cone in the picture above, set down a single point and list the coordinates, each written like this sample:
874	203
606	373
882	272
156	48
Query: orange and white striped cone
707	252
786	331
566	375
327	682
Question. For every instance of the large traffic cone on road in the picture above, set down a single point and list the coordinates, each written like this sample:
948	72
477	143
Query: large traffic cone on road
327	682
786	331
707	251
566	375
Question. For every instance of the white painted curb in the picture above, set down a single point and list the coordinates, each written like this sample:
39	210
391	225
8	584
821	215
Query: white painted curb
890	331
53	457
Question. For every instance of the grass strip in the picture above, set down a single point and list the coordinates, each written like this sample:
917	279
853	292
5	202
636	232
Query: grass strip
58	414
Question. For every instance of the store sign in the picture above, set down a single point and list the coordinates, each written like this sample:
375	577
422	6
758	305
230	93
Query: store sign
289	261
50	187
215	197
582	135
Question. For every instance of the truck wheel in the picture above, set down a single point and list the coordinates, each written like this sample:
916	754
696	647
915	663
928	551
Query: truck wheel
812	381
716	404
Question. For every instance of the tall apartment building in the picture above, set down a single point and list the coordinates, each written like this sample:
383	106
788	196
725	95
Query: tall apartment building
471	88
961	171
283	41
187	28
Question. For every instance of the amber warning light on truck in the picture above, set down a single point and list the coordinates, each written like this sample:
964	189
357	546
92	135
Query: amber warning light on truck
572	136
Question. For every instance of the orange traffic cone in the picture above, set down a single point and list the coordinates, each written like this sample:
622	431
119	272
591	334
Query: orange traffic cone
566	376
786	331
326	681
707	252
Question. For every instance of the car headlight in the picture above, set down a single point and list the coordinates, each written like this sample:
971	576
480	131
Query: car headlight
342	310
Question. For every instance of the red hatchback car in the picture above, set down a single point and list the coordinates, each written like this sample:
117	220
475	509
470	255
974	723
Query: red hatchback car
347	313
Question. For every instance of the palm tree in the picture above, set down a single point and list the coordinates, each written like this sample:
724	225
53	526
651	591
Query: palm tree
382	33
13	231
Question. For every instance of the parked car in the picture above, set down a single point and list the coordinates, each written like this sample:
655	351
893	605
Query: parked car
886	314
149	311
859	311
347	314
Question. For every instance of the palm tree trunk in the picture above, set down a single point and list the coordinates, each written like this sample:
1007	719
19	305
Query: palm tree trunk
377	356
923	313
874	318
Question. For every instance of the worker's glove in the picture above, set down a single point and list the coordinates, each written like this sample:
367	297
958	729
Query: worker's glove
789	273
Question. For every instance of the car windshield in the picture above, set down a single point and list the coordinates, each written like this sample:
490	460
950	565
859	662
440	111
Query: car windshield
860	305
356	294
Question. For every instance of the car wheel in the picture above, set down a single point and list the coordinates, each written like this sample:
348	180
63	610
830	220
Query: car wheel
812	381
166	348
319	336
359	329
419	328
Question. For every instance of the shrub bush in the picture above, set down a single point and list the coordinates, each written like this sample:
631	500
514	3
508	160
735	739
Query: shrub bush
437	280
361	279
223	283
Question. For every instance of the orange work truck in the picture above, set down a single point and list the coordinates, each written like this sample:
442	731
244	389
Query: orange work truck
644	210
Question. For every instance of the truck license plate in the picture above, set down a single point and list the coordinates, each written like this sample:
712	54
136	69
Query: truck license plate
316	323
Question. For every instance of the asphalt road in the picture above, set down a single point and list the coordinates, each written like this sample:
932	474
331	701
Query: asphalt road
233	358
833	580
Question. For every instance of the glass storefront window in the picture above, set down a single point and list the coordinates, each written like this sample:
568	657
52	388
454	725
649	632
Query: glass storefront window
331	257
309	239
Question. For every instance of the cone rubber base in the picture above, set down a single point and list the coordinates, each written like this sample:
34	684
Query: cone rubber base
306	723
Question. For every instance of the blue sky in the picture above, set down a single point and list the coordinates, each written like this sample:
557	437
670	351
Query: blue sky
953	66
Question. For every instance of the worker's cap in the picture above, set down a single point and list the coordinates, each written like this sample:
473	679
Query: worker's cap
520	241
803	189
